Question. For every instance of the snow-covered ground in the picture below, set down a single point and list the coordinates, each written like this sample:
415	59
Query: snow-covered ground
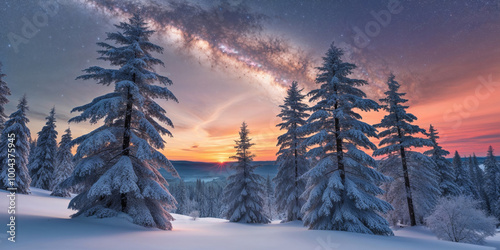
43	223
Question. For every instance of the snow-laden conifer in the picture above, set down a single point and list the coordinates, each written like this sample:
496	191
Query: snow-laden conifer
398	137
64	165
269	200
118	163
478	181
478	172
292	163
342	184
471	170
4	92
424	187
462	177
492	183
44	161
444	168
14	144
182	198
243	192
212	202
31	156
200	198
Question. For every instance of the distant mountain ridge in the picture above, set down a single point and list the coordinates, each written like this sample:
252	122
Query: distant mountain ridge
192	170
208	171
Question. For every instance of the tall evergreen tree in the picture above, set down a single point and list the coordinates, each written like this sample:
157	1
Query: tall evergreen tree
42	168
479	174
243	192
31	156
269	199
342	185
118	162
424	187
212	206
182	198
462	177
478	180
471	170
292	163
397	138
16	135
492	183
445	171
4	92
220	207
64	165
200	198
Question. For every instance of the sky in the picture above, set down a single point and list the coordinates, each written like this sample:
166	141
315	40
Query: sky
231	61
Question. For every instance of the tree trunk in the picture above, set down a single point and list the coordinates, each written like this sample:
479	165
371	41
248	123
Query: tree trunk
126	137
297	203
409	198
340	153
269	204
338	141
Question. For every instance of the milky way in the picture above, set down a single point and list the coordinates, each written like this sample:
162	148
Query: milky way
229	35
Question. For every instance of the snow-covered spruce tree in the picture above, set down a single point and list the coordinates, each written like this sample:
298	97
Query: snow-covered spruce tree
18	135
492	183
444	167
397	139
200	198
478	172
478	180
342	186
462	177
182	198
458	219
269	200
471	169
64	165
4	92
31	156
118	162
243	192
218	196
44	161
292	163
424	187
212	209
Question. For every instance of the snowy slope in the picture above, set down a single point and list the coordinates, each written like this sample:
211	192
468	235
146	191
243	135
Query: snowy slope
44	223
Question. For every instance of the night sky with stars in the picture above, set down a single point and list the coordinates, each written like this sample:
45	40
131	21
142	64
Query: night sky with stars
231	61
